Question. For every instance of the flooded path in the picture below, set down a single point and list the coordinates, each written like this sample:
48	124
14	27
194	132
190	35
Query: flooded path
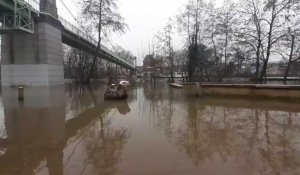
156	131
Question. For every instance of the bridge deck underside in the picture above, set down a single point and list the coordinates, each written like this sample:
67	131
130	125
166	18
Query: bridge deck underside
6	6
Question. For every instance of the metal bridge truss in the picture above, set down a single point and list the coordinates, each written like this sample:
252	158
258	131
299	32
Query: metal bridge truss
20	19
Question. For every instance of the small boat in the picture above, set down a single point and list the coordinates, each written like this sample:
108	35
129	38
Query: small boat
116	92
175	85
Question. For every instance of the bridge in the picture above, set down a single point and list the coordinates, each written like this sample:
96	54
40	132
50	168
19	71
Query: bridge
32	34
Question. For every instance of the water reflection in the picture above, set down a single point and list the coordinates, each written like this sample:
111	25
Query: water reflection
158	130
160	110
39	135
80	98
261	140
104	146
101	143
35	131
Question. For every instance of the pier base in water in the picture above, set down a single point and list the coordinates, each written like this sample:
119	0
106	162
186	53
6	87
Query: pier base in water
21	93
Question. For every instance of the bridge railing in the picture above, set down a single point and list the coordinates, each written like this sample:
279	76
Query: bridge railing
74	29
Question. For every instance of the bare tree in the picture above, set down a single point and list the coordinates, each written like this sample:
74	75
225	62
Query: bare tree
180	59
208	28
126	54
262	28
250	32
105	18
189	23
78	65
293	55
274	9
255	27
166	47
289	46
225	22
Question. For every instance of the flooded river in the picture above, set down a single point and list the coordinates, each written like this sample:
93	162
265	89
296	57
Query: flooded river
156	131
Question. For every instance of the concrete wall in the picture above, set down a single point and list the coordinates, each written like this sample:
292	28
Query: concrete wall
274	91
6	52
31	75
49	44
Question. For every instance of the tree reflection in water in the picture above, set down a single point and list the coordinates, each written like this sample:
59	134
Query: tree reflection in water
79	98
41	140
160	110
103	143
104	146
254	140
265	142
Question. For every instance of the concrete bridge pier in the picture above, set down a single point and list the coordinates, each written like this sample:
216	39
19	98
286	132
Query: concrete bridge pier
34	59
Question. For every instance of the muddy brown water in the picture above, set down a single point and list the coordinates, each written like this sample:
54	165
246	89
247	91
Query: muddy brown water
156	131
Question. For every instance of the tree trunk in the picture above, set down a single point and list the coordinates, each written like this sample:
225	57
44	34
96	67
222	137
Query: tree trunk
257	65
264	71
98	44
207	75
225	54
259	43
290	59
191	63
172	68
217	62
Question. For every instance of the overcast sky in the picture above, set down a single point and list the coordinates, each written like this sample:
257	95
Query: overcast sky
144	18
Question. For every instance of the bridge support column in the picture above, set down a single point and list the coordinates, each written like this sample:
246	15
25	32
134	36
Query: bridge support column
34	59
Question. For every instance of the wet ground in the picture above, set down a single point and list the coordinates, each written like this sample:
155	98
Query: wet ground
156	131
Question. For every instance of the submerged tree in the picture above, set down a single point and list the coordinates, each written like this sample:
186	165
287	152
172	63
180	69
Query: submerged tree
78	64
105	18
104	145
